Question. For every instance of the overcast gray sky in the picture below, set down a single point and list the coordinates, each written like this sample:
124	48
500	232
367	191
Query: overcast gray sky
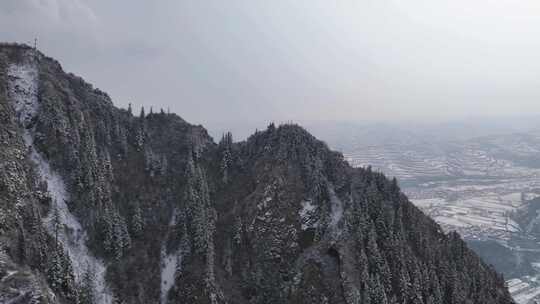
233	60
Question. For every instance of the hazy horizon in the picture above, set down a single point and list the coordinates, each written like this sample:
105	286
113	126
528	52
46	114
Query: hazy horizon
258	61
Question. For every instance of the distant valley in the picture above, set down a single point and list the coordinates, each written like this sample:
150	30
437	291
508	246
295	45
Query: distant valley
486	188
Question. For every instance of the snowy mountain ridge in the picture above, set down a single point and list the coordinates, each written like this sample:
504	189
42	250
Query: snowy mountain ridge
160	213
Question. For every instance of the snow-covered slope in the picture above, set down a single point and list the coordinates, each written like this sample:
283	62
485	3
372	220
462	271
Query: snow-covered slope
23	90
291	223
170	262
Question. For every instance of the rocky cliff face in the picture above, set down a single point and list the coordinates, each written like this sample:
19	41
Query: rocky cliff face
100	206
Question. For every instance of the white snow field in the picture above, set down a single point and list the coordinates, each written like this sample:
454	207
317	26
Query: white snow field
475	185
524	290
22	90
169	264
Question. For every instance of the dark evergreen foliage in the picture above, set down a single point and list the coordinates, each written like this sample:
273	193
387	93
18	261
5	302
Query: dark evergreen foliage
278	218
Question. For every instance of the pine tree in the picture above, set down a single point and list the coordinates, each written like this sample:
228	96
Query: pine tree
226	155
142	115
378	294
117	240
87	289
435	288
376	260
198	202
115	233
126	238
122	140
56	221
107	230
237	236
55	271
68	284
141	131
118	237
225	163
137	221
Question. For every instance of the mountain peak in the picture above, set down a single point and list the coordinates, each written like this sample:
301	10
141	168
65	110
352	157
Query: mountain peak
98	205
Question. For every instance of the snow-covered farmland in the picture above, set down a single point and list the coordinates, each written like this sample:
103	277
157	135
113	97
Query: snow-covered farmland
489	214
475	186
524	290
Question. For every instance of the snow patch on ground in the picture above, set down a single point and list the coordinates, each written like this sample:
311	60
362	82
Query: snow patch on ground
71	235
169	264
336	209
22	88
306	214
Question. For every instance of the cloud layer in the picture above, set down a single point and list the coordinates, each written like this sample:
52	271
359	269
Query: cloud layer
220	61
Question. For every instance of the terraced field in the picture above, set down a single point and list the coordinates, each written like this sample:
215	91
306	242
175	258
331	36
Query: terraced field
477	187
